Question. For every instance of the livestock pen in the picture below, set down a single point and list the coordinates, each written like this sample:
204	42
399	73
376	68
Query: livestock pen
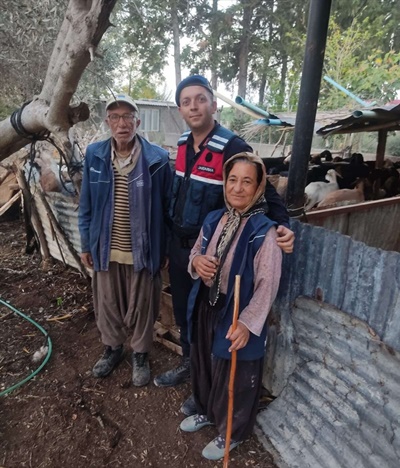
332	359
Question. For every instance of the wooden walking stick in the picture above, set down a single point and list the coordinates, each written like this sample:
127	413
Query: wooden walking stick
232	375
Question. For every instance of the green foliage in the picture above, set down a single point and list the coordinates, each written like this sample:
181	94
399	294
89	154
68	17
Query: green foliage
363	49
393	144
370	74
27	34
238	121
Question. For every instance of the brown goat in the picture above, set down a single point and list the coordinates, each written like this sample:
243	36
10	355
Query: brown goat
344	196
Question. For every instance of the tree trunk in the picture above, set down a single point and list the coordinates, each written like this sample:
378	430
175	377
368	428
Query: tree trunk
244	48
261	91
214	45
177	42
84	24
282	86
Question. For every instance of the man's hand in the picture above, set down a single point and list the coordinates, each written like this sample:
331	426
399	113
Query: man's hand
239	337
285	239
87	259
205	266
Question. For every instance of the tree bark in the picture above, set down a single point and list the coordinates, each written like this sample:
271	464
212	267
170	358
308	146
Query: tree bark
176	41
84	24
248	10
214	45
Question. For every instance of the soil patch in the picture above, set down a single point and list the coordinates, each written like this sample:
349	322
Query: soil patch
64	417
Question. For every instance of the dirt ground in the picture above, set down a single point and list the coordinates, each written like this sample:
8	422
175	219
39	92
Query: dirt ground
64	417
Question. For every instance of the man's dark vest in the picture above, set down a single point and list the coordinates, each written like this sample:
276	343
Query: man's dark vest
194	195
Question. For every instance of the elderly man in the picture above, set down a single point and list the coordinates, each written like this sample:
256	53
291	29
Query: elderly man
197	190
122	212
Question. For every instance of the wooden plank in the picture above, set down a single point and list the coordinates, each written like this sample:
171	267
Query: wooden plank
166	309
339	210
169	337
10	202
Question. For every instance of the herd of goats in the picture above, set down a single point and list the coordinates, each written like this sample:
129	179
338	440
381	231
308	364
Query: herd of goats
338	181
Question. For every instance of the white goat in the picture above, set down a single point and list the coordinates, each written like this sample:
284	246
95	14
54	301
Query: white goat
317	191
344	196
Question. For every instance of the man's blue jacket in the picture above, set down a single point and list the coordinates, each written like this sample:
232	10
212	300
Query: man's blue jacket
149	188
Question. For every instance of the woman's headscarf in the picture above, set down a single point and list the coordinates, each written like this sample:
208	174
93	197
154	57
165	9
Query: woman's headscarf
256	160
258	204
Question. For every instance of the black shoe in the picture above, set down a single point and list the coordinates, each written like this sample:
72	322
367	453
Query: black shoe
108	362
174	376
188	407
141	369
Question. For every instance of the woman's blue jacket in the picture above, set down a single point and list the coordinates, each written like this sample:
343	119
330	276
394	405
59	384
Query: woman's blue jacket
249	242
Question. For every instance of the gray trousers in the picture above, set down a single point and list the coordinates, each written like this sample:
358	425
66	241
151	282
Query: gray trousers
126	302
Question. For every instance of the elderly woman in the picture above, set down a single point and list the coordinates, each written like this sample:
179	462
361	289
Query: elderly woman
238	240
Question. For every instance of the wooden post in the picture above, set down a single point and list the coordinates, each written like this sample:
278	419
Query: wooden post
380	150
231	387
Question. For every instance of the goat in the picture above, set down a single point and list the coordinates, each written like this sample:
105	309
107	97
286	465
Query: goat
317	191
344	196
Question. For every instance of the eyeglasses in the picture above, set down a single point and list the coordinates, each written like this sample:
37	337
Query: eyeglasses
127	118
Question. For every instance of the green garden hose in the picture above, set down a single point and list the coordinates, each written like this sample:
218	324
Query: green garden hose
49	348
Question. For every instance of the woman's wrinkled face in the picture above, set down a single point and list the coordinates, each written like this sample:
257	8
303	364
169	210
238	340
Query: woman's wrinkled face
241	185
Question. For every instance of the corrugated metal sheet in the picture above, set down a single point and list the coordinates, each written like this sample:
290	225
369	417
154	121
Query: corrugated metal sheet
357	279
336	384
341	406
154	103
65	209
148	102
376	223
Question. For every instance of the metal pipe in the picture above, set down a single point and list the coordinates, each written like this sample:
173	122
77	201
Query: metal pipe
234	105
248	105
348	93
268	122
368	114
317	30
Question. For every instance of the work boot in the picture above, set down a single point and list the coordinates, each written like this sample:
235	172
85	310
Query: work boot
108	361
174	376
188	407
141	369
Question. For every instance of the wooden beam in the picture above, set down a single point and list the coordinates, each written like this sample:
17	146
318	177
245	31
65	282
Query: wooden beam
10	202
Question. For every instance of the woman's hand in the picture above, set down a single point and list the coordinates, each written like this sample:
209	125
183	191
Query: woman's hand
205	266
239	337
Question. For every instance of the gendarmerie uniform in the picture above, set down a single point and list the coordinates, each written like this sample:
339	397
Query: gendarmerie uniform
197	190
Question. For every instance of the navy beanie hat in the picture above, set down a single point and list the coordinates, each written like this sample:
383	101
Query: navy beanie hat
194	80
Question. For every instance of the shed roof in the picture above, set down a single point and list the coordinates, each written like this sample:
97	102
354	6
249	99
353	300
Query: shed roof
154	103
366	120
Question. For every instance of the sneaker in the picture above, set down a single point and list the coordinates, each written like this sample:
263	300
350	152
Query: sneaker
188	407
215	450
108	361
141	369
174	376
195	423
